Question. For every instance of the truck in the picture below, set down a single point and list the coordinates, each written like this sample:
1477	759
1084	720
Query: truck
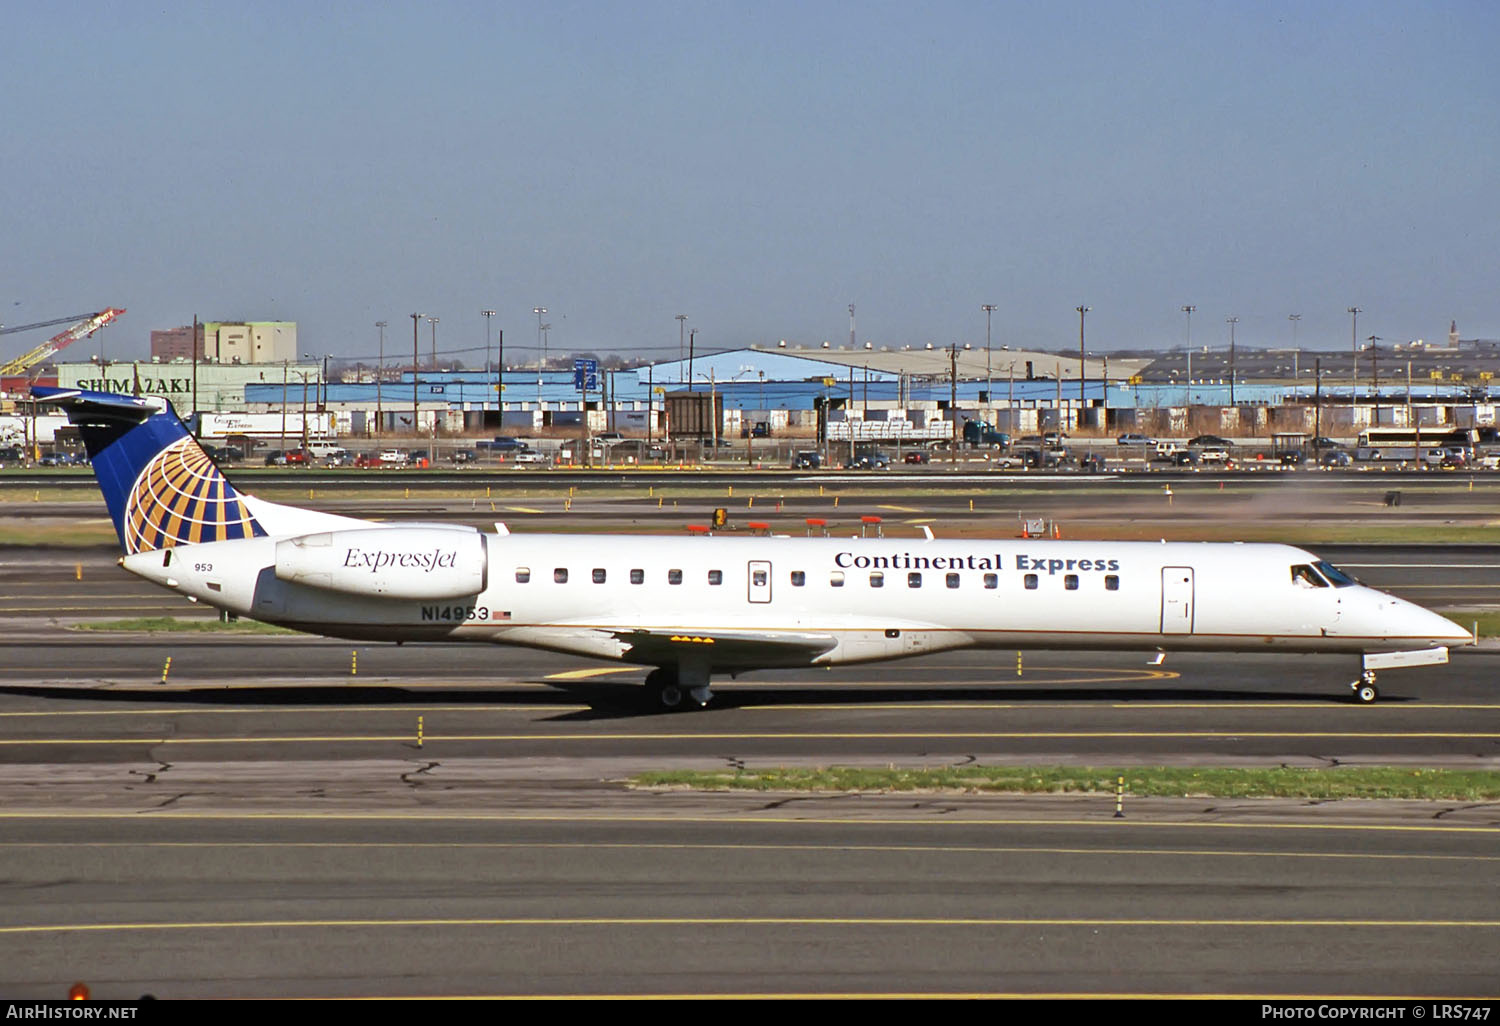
978	434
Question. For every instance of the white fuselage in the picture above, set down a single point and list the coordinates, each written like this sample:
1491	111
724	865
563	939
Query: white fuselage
759	602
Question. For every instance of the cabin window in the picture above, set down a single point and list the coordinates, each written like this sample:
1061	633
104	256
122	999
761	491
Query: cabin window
674	576
637	577
1031	582
836	579
523	574
716	577
1303	576
877	580
560	575
952	580
1111	582
1070	581
759	578
992	581
598	575
914	580
798	578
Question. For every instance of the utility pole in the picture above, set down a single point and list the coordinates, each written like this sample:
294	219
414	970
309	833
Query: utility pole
1232	322
416	365
953	404
1354	313
989	385
1082	376
379	377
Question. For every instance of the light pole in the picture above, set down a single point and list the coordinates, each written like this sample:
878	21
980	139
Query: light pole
1375	374
416	366
488	316
1354	313
692	340
681	344
434	322
989	385
379	375
1082	311
541	350
1232	322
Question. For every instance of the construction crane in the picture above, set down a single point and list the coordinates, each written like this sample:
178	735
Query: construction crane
84	325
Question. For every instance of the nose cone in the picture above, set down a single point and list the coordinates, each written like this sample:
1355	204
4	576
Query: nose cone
1422	626
1442	630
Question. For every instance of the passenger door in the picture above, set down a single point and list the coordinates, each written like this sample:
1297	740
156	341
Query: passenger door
760	580
1177	600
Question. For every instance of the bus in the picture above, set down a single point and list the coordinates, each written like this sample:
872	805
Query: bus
1409	442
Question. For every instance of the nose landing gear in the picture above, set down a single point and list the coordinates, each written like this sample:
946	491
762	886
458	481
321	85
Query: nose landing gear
1364	688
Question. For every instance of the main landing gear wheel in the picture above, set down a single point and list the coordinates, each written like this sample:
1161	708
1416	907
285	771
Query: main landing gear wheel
1364	688
668	692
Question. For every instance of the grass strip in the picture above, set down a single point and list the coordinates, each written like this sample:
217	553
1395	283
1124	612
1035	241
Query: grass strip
1140	781
156	624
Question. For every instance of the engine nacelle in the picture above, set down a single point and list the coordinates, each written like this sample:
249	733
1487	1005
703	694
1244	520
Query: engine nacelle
392	562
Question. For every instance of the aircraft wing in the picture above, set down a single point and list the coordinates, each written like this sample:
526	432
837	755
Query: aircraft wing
724	648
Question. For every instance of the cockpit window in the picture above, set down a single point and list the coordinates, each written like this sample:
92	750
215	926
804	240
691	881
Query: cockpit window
1304	577
1334	574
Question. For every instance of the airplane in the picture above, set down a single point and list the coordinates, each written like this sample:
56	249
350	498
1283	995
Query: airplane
692	607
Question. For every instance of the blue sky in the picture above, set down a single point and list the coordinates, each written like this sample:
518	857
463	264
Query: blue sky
756	166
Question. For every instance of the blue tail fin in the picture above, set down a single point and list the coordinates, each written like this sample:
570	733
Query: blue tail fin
160	486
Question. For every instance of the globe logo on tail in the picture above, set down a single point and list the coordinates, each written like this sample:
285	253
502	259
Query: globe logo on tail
181	498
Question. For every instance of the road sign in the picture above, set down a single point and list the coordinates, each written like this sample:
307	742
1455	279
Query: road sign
586	375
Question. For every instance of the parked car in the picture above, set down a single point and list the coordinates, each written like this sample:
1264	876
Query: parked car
392	457
871	460
275	458
1213	454
916	456
1184	458
54	459
368	459
807	460
609	437
1131	438
417	459
529	458
1213	440
1054	438
1091	462
1039	459
11	453
464	456
1289	457
1334	458
298	457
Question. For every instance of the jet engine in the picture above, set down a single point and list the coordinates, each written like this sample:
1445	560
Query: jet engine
420	563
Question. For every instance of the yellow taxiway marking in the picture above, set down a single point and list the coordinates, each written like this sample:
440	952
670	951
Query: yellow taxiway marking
742	921
901	849
872	735
1331	705
520	509
767	819
582	674
901	509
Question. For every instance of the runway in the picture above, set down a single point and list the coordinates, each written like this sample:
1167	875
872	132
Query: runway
269	821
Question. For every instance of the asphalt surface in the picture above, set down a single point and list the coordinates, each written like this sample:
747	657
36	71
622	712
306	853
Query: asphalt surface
267	821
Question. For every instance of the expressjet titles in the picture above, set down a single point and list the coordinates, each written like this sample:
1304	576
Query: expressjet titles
379	559
907	561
